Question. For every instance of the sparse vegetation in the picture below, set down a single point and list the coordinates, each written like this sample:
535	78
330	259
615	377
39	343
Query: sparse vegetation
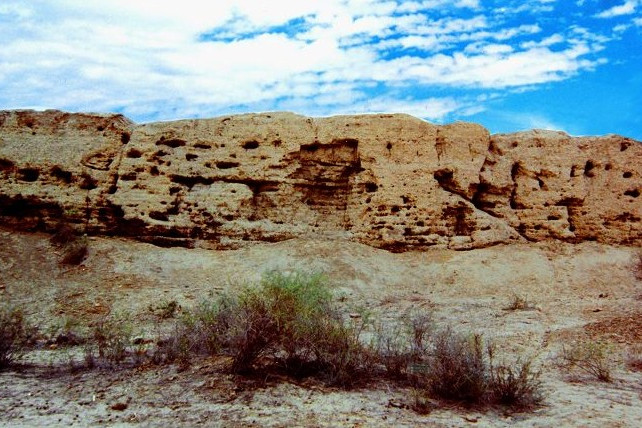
519	303
517	385
166	309
459	368
592	358
456	368
110	342
289	324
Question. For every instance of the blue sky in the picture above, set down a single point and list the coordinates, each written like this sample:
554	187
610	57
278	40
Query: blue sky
572	65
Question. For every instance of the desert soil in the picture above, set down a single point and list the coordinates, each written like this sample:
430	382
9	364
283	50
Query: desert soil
589	292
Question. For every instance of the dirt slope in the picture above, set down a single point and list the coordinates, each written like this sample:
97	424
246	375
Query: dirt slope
587	290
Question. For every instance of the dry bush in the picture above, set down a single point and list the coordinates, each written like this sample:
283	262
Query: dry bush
75	252
14	335
402	346
519	303
199	331
592	358
74	248
457	369
517	385
176	347
110	342
460	369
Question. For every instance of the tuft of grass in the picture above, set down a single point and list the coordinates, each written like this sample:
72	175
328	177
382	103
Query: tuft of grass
592	358
14	335
519	303
166	309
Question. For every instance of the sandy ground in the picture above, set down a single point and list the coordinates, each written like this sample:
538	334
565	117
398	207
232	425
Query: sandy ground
580	292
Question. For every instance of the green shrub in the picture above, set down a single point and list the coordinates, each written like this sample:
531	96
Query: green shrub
287	321
291	320
14	335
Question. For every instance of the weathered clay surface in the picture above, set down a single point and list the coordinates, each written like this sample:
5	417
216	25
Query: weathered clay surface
390	181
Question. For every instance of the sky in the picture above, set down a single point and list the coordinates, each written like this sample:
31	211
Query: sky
570	65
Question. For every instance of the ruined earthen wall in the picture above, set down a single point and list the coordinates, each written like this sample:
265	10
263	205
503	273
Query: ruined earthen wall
391	181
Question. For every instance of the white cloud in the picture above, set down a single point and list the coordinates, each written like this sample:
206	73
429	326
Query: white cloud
624	9
429	108
472	4
620	28
528	6
551	40
536	121
160	59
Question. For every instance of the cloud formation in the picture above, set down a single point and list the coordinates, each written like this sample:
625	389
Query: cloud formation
624	9
166	59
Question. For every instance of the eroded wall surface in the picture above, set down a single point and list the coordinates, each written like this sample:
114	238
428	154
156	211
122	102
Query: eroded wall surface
390	181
